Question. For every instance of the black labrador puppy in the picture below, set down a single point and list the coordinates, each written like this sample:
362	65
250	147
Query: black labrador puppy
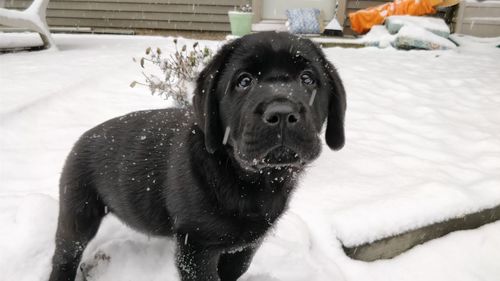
216	176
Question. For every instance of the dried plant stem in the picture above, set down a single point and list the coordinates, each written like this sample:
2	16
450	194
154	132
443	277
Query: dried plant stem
179	69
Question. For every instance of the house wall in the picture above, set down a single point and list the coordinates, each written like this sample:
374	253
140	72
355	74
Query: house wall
198	15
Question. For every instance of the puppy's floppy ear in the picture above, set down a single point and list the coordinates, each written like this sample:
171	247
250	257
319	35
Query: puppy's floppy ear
205	101
335	136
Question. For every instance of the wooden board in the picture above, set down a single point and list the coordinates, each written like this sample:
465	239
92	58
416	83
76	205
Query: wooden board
153	16
138	24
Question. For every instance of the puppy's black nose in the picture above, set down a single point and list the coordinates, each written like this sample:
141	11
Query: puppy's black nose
280	112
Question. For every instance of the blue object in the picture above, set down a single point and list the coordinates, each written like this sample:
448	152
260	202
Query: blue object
303	21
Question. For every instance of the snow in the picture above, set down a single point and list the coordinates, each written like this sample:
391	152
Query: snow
423	134
378	36
478	44
483	1
409	32
419	36
436	25
239	13
20	40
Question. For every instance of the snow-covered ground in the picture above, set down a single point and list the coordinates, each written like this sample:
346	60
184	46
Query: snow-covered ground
423	145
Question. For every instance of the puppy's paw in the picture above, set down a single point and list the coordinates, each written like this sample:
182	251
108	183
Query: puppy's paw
91	267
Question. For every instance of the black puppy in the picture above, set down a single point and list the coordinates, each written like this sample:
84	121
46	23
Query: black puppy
216	176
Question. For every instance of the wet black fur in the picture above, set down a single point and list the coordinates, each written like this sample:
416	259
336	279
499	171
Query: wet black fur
168	173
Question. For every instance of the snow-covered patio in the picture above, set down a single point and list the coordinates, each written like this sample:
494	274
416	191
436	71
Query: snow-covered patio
423	145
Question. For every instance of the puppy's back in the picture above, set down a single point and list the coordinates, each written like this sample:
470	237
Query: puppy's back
124	161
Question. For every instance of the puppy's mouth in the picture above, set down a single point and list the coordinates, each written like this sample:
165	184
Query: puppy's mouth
277	157
281	156
257	152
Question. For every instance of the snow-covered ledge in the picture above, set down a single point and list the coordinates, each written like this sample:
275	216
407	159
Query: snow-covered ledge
33	18
390	247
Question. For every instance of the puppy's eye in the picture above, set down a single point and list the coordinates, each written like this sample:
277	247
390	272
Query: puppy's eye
307	78
244	81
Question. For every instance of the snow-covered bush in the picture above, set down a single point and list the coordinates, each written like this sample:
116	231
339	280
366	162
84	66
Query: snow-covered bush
174	73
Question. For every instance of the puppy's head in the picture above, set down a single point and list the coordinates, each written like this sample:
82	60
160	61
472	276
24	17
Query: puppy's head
264	98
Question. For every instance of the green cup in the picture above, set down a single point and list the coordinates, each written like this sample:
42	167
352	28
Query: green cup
241	22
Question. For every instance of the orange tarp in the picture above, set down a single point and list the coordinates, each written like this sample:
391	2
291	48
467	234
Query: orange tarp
363	20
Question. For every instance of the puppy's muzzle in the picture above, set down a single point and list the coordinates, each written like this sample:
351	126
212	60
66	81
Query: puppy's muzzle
282	116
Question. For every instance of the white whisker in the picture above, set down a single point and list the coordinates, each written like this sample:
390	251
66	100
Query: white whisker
227	88
226	135
313	96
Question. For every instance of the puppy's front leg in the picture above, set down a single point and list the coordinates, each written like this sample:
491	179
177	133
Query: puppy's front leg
195	261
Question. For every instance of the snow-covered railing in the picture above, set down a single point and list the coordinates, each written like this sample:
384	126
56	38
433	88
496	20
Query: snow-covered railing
33	18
